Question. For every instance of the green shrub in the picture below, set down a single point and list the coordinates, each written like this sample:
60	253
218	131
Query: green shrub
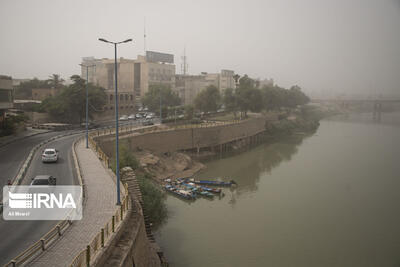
153	200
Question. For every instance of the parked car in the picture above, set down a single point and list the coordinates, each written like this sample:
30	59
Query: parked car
138	116
147	123
149	116
123	118
132	117
44	180
50	155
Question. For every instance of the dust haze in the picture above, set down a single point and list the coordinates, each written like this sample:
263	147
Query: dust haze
326	47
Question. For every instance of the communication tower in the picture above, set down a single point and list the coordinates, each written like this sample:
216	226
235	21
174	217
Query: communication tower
184	65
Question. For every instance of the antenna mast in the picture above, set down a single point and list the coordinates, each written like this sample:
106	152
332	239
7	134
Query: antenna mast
184	65
144	35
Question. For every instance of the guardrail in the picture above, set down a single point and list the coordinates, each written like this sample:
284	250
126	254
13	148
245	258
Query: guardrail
58	230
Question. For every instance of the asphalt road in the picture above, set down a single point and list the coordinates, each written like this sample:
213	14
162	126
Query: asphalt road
16	236
13	155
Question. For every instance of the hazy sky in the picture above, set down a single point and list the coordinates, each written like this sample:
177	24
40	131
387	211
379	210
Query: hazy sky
321	45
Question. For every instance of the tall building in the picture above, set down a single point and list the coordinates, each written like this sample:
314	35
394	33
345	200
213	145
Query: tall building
102	74
154	68
134	78
188	86
6	96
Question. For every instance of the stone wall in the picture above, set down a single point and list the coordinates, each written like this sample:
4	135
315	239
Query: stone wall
132	247
190	138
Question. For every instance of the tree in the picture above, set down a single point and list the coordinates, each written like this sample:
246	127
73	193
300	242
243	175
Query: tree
24	89
189	112
70	105
208	100
298	97
248	95
55	81
159	91
230	101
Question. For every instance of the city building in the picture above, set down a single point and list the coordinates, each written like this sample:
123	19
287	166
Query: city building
102	74
6	96
43	93
134	78
188	86
266	82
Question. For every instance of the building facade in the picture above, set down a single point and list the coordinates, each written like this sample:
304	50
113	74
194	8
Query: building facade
6	96
189	86
42	93
134	78
6	92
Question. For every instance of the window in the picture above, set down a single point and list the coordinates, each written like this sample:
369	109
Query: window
111	97
131	97
126	97
121	97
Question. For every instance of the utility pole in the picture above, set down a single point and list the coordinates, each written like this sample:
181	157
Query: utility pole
144	36
160	109
87	103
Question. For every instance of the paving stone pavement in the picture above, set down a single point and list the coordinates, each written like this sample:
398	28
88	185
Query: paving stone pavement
99	207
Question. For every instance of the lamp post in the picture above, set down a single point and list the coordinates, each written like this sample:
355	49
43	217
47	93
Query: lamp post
87	102
116	115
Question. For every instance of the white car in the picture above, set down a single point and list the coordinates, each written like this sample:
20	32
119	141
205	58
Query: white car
50	155
123	118
132	117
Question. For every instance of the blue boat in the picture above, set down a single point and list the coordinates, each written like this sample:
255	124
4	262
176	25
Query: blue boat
211	190
215	183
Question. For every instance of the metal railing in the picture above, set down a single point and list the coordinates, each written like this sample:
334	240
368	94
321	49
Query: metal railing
95	247
87	255
155	129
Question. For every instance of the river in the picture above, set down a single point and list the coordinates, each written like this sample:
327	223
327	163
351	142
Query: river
328	199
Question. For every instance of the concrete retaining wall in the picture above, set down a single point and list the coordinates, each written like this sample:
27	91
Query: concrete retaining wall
191	138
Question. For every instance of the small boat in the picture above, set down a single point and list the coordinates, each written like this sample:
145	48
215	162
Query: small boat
189	195
215	183
211	190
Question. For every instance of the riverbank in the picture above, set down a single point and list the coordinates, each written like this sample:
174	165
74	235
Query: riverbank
175	164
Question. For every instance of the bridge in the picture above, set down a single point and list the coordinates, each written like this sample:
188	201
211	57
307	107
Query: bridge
376	106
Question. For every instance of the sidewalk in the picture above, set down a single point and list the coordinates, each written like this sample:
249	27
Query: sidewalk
99	207
5	140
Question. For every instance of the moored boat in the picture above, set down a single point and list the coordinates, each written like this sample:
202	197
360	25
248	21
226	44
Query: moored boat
186	194
215	183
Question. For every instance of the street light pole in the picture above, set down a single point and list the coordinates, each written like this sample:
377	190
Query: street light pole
160	109
87	103
116	116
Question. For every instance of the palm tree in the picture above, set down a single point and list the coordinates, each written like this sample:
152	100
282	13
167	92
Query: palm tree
55	81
